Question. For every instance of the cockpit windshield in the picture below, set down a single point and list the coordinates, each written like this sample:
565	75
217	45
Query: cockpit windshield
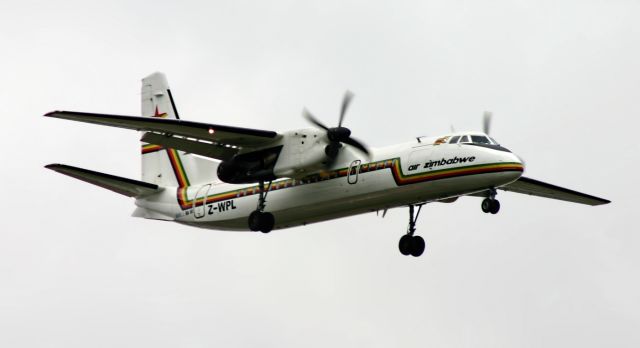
480	139
474	139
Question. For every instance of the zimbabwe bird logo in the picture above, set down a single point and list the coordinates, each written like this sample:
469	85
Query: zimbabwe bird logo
158	114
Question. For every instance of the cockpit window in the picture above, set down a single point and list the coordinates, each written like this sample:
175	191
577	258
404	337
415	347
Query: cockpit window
464	139
480	139
454	139
494	141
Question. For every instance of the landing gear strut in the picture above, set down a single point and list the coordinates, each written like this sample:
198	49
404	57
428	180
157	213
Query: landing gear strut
491	204
259	220
410	244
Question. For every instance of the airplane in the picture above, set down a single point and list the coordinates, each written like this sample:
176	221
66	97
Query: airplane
219	177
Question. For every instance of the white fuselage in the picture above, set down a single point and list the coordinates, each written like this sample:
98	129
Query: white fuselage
395	176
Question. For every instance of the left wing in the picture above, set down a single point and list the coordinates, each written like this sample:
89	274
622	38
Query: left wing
538	188
211	140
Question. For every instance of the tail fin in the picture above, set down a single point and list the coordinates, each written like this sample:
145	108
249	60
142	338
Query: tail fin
157	100
166	166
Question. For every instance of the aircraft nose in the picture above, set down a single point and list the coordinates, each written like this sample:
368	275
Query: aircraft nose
516	160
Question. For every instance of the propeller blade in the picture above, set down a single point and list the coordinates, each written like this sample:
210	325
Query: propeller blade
346	100
357	144
313	120
487	122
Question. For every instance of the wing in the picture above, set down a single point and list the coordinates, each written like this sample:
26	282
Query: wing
541	189
123	186
211	140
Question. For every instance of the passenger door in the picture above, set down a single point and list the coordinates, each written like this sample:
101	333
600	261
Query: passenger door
353	172
200	201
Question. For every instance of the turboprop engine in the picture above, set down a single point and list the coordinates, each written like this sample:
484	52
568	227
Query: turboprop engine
296	154
303	152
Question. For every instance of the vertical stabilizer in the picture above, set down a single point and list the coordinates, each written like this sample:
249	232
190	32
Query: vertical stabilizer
157	100
165	166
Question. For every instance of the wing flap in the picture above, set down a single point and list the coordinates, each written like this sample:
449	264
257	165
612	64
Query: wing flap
123	186
206	149
226	135
541	189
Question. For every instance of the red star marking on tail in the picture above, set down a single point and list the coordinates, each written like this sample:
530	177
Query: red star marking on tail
158	114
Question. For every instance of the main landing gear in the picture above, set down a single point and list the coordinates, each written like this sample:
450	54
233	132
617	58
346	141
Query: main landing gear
410	244
259	220
491	204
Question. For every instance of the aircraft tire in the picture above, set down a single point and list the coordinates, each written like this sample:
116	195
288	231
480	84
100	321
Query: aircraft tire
405	245
417	246
486	205
254	220
267	222
495	206
261	221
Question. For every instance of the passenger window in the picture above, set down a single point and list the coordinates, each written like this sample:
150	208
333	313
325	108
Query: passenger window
480	139
464	139
454	139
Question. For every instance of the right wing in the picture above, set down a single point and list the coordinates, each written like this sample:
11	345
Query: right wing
542	189
210	140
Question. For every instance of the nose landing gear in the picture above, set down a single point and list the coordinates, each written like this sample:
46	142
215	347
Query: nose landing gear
491	204
259	220
409	243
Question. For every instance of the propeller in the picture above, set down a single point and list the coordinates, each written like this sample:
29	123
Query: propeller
337	135
486	122
486	125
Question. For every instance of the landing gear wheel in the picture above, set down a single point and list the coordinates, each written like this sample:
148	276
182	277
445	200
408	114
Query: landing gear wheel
405	245
261	221
410	244
254	221
267	222
486	205
495	206
417	246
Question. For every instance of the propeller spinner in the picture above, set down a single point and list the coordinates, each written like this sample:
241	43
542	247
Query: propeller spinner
337	135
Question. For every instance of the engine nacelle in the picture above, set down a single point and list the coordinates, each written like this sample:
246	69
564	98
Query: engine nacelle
303	152
250	167
237	173
297	154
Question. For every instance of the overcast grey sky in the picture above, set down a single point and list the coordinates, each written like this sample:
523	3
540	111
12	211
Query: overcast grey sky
561	77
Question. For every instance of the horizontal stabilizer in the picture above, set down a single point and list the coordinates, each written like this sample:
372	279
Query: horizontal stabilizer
124	186
542	189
